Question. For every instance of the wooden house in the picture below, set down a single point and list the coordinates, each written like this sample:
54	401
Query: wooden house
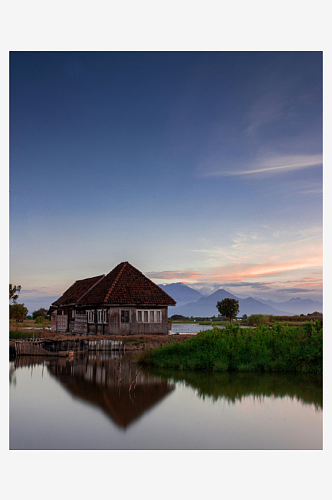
123	302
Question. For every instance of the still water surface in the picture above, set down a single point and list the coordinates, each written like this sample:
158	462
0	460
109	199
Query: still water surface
101	401
192	328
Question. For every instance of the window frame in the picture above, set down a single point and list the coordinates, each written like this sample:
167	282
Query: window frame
148	313
124	313
101	316
91	316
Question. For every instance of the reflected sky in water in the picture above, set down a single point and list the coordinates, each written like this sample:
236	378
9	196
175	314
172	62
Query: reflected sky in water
103	402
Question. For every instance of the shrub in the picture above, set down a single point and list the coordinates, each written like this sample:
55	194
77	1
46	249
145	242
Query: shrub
277	348
258	319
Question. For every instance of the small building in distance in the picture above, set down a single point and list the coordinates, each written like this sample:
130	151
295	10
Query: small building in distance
123	302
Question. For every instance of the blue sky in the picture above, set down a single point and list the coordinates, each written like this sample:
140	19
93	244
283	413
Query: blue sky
200	167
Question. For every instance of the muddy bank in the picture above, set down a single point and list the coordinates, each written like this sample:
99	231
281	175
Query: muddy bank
132	342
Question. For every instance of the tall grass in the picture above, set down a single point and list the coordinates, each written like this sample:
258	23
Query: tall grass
272	349
19	334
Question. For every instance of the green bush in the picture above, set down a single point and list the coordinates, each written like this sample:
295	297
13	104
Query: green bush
277	349
258	319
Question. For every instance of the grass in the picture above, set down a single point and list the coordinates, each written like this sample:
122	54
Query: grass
269	349
26	334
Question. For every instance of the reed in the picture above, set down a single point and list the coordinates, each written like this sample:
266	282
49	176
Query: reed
270	349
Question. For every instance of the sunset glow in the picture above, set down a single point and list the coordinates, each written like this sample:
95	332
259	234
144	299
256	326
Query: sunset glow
196	167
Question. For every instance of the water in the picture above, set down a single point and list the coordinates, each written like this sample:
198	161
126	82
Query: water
103	401
190	328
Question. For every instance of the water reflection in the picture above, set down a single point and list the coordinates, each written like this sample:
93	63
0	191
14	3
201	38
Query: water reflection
103	401
106	380
233	387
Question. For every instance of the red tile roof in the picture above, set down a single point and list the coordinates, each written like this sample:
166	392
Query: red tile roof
77	290
124	285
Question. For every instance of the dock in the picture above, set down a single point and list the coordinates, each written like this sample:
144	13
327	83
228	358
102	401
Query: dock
53	347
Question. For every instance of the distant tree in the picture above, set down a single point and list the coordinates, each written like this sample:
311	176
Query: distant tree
258	319
228	308
18	312
177	317
14	291
40	313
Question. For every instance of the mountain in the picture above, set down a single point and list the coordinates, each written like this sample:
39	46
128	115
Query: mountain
181	293
296	305
206	306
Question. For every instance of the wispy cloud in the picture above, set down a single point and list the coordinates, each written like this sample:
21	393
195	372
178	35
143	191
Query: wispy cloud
271	107
264	246
268	165
241	272
296	290
262	258
171	275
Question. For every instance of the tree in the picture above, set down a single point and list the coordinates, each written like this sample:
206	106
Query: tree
18	312
228	308
41	312
40	320
14	291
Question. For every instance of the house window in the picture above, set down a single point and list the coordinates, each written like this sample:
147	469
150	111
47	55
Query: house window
102	316
151	316
124	316
91	316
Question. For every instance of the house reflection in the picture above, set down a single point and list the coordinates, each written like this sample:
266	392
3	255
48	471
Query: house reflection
112	383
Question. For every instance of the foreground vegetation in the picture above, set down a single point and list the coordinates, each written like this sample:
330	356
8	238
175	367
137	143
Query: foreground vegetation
271	349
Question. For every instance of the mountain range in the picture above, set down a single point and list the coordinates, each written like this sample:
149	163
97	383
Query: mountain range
195	304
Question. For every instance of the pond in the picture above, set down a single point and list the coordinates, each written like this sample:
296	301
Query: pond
190	328
103	401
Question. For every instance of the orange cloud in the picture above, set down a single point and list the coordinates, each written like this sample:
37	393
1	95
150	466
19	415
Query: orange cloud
242	271
171	275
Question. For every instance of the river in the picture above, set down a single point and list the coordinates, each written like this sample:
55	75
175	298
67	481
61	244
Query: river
103	401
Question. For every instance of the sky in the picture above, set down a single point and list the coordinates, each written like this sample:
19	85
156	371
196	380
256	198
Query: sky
196	167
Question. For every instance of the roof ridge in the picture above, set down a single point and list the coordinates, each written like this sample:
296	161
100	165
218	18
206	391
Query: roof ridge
109	293
150	280
91	278
89	289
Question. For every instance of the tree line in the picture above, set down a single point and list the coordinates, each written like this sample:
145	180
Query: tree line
19	312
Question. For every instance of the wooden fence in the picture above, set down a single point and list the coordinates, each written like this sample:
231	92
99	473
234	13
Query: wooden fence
51	347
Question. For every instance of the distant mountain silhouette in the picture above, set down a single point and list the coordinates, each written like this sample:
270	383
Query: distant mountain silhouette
181	293
296	305
206	306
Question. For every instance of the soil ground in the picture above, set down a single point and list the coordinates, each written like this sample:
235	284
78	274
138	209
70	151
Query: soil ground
132	342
